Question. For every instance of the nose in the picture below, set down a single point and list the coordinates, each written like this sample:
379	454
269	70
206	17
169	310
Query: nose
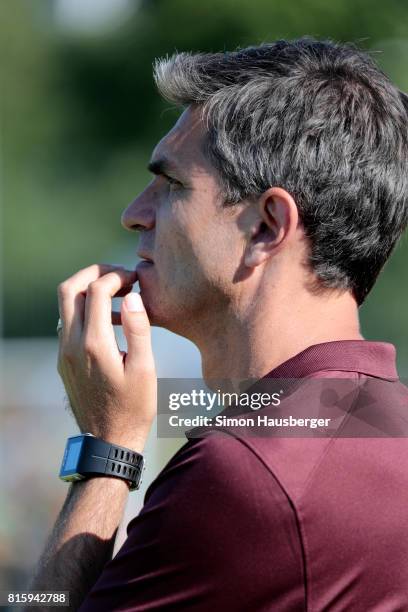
139	215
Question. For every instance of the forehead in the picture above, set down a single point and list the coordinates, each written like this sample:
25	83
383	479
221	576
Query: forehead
185	143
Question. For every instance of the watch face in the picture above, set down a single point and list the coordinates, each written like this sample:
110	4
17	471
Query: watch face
71	456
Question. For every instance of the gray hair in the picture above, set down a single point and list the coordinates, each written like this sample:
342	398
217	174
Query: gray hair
322	121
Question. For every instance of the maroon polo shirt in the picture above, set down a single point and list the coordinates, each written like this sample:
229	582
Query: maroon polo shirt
279	524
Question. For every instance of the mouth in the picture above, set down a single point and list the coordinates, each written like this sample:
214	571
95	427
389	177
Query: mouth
146	262
145	258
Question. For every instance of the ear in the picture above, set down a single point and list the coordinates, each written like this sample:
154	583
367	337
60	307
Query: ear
274	227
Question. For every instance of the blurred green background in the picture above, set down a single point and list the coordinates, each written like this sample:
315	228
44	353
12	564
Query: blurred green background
79	116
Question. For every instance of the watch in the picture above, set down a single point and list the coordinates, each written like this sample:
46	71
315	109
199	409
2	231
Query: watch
86	456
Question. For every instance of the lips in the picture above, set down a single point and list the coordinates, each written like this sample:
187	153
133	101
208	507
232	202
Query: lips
145	262
145	257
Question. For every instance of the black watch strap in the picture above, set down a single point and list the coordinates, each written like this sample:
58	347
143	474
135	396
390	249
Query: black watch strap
86	456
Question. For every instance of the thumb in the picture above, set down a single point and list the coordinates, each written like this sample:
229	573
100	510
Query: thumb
136	327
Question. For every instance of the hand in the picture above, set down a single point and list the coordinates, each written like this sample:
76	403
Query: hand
113	394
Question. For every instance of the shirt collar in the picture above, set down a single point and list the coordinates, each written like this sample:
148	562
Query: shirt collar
365	357
377	359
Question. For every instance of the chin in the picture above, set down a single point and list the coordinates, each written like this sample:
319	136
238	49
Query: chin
157	313
174	321
150	310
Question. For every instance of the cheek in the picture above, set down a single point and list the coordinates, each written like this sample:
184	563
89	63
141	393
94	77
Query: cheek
176	261
196	247
183	241
221	250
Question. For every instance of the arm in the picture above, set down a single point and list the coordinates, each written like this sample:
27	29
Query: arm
83	537
112	395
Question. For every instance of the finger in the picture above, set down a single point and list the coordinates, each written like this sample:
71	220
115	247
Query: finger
71	298
136	327
98	305
116	318
124	291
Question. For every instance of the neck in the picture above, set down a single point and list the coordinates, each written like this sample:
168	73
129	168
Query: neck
249	343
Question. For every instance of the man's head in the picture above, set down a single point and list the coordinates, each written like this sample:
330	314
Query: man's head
293	154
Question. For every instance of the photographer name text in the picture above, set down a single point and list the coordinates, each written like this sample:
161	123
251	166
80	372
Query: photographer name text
259	421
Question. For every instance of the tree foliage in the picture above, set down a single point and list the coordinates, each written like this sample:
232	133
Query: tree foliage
79	116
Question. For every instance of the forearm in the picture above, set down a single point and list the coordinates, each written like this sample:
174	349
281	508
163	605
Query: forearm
113	395
83	537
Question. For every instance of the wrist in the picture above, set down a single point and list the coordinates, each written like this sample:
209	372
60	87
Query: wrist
98	483
87	456
135	441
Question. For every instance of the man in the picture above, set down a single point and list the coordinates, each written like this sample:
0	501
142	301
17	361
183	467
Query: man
276	200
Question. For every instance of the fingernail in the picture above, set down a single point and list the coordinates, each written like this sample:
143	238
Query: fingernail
133	302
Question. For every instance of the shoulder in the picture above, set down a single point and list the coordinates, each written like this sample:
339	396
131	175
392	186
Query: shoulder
215	457
215	526
216	490
216	460
209	481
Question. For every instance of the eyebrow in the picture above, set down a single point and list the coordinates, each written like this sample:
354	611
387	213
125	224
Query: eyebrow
163	167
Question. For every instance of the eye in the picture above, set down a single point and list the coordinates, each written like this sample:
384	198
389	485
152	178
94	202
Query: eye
174	184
